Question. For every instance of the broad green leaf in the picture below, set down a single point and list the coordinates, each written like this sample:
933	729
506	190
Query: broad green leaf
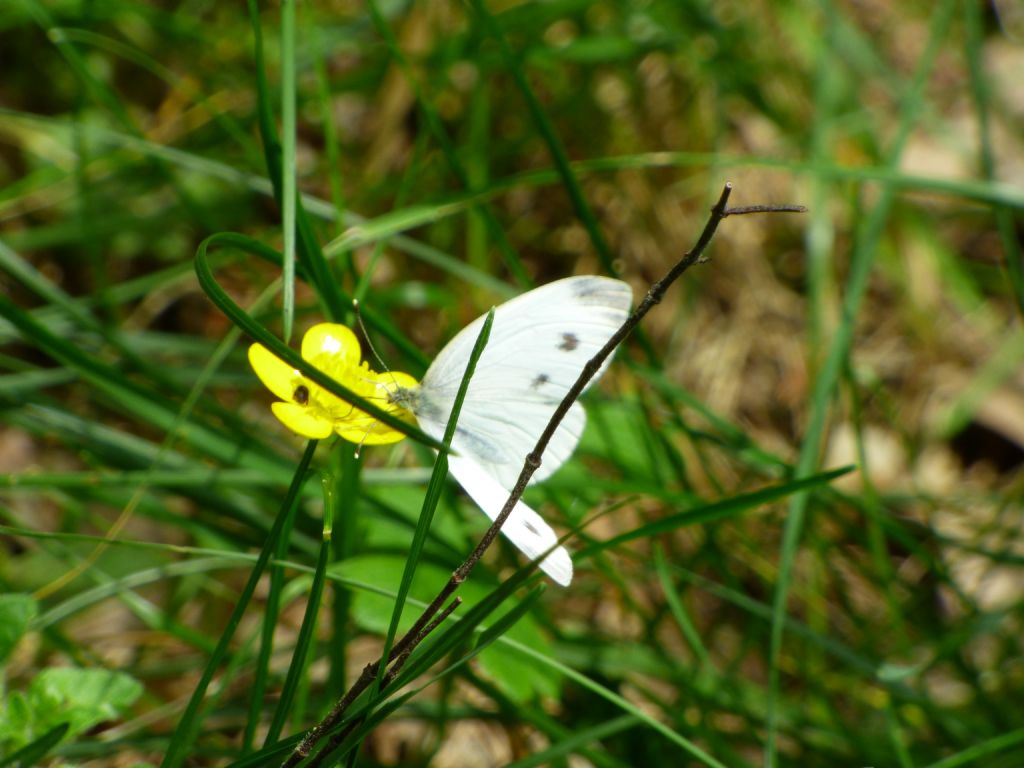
16	611
82	698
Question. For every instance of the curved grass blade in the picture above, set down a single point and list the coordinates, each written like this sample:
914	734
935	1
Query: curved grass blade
240	318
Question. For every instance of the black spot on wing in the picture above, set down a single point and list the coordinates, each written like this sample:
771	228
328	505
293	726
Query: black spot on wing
539	380
569	342
529	526
584	288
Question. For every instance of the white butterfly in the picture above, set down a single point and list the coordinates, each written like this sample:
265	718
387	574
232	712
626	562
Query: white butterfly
538	345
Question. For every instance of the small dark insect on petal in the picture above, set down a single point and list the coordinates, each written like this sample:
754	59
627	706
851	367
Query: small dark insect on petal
569	342
301	394
539	380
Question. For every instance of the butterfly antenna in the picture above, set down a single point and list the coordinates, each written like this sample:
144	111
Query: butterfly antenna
362	442
369	343
366	335
366	434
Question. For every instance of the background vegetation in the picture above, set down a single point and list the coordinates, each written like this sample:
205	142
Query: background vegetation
451	155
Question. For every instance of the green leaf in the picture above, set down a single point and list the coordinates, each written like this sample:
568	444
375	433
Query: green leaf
16	611
16	722
80	698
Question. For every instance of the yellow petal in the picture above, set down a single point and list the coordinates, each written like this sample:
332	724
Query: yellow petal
333	340
312	411
381	389
368	432
276	375
391	382
301	420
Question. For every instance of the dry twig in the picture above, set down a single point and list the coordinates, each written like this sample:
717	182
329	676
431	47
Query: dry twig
430	619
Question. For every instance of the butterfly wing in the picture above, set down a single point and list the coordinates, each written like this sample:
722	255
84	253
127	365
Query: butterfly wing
523	527
538	346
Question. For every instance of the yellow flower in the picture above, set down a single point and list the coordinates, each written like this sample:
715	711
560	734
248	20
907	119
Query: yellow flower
312	411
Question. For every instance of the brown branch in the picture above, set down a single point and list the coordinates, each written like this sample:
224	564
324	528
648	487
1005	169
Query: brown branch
400	653
533	459
765	209
388	678
424	624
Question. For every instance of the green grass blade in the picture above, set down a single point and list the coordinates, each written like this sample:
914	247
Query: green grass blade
555	147
303	647
985	752
289	192
185	733
33	754
825	384
308	250
571	744
716	511
438	477
437	130
241	319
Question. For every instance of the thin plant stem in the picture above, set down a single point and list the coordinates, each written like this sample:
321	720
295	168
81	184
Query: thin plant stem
427	622
370	671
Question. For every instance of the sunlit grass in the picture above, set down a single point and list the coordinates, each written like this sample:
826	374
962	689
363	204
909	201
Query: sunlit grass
449	156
